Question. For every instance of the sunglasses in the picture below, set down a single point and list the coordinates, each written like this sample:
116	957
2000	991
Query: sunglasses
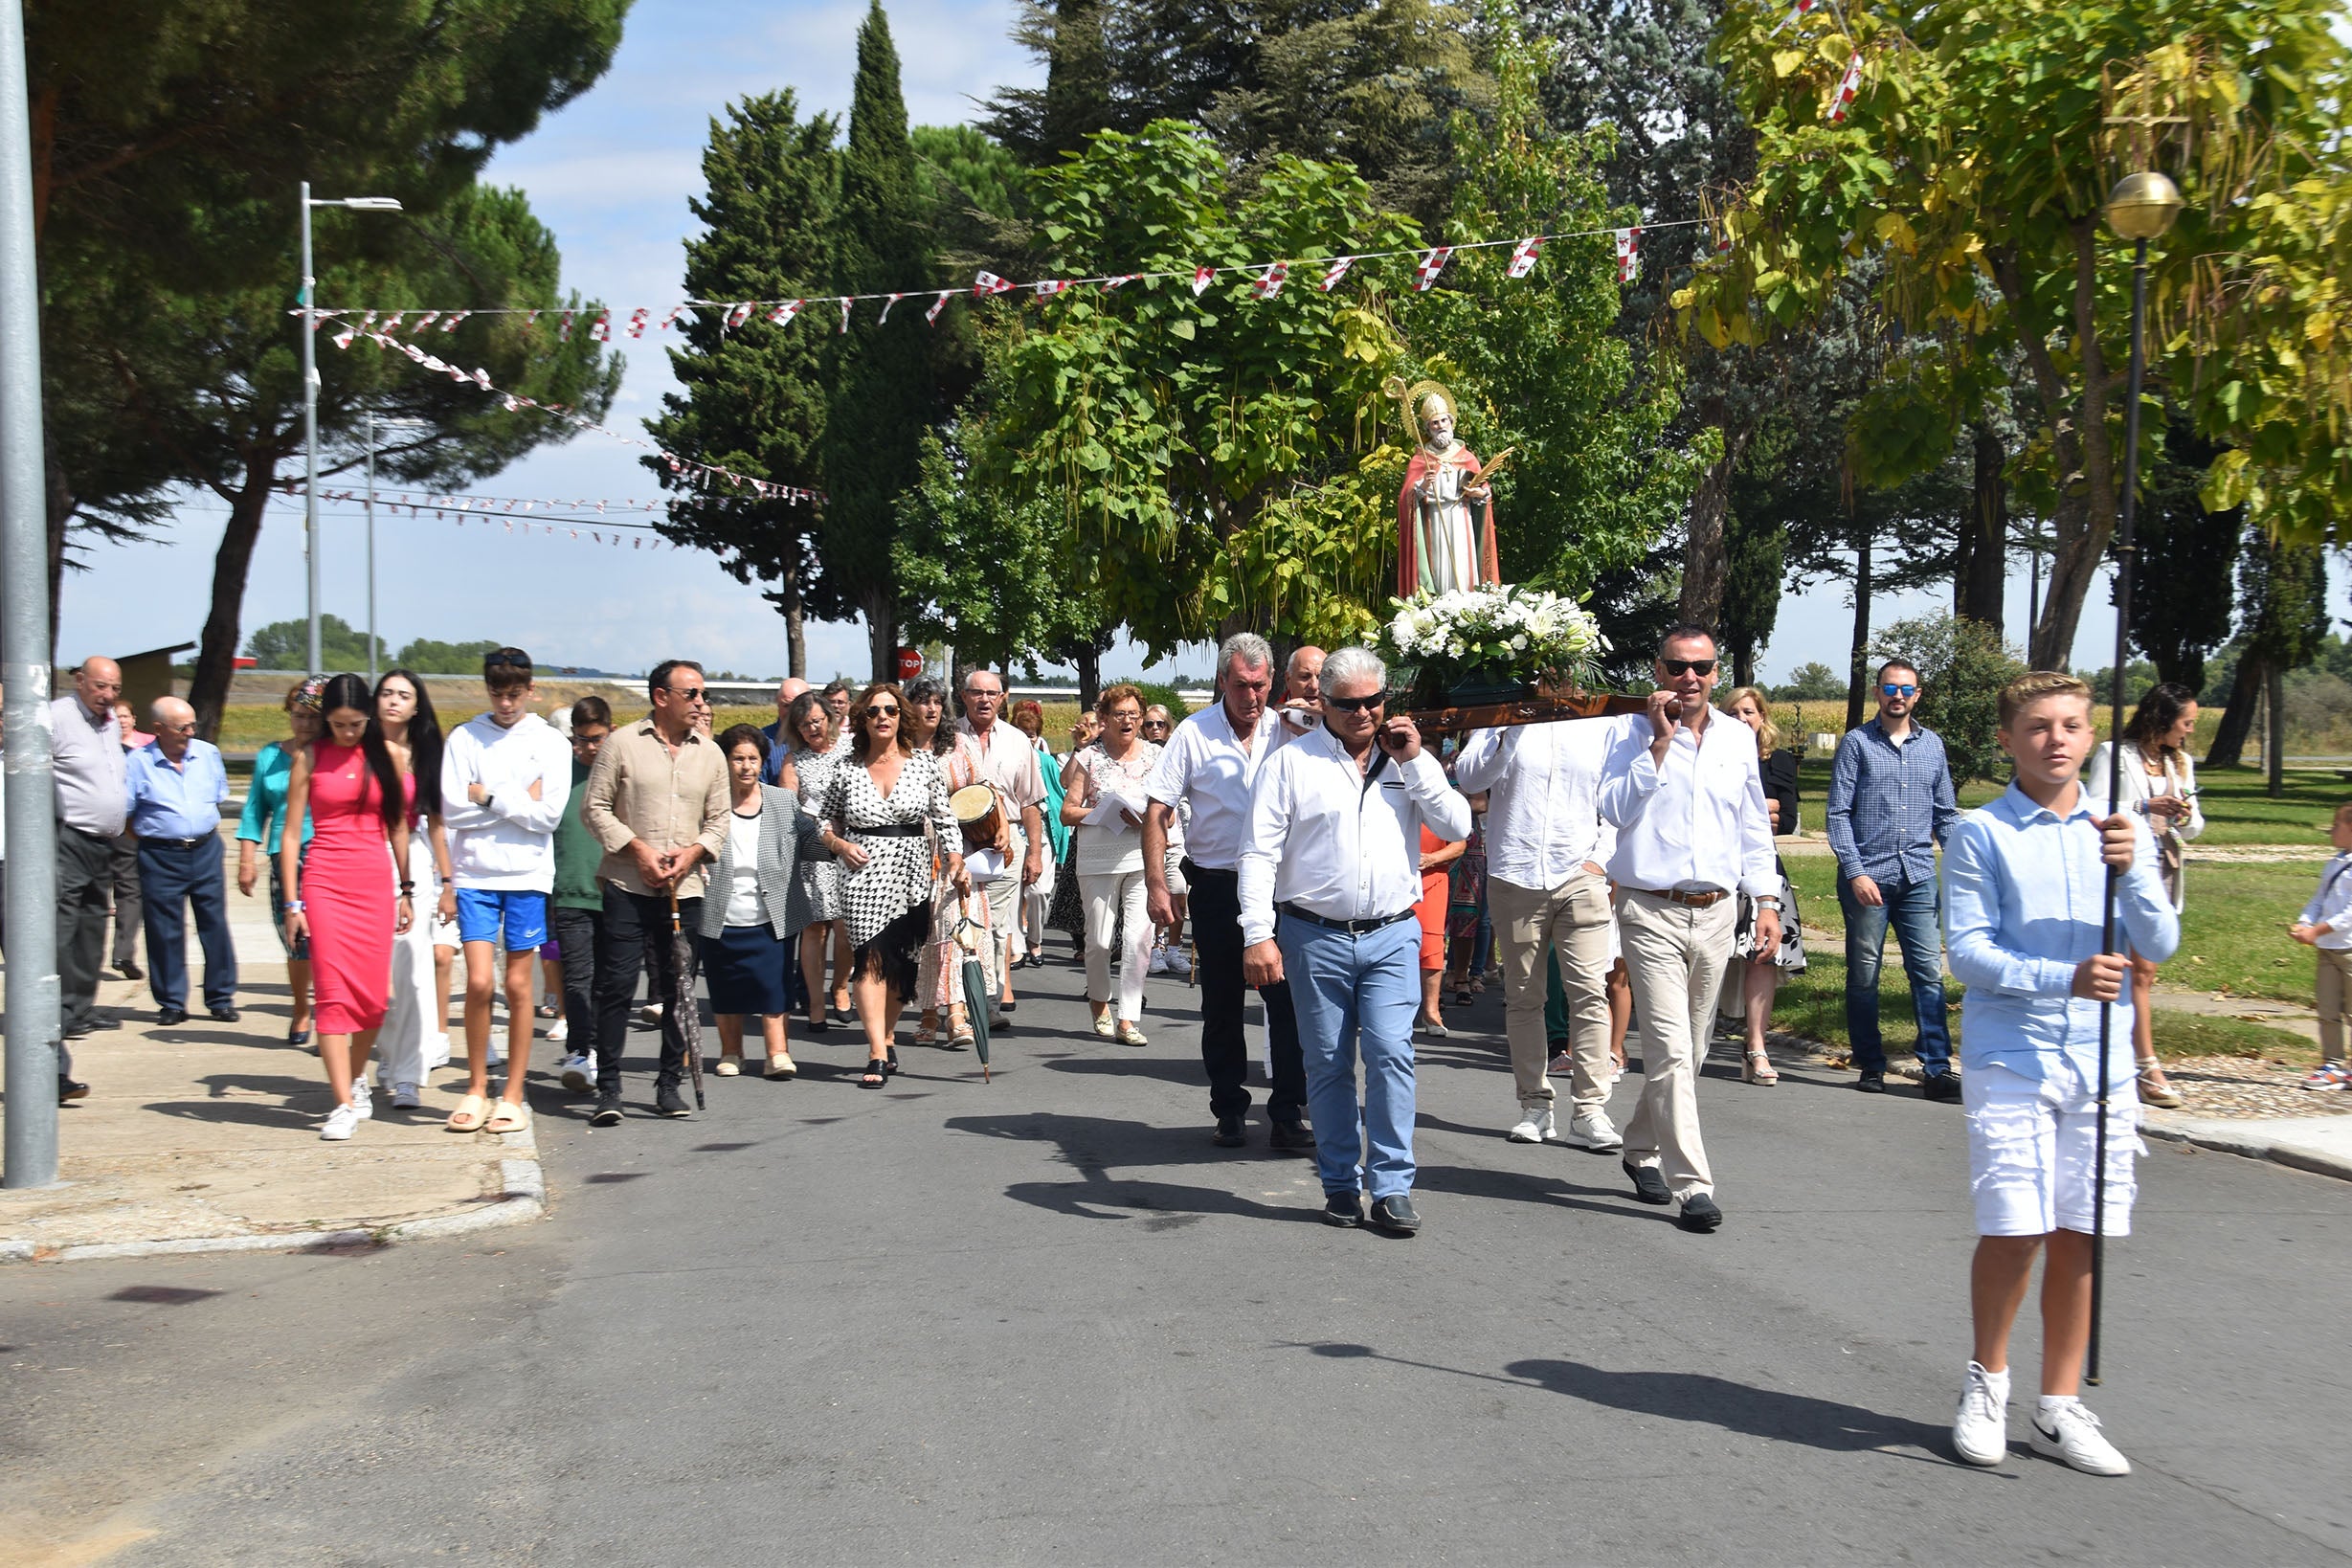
504	661
1358	704
691	694
1689	666
1155	724
878	711
1900	691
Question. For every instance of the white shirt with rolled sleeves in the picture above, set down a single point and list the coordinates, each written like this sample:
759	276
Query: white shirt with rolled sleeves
1338	842
1697	821
1542	782
1207	763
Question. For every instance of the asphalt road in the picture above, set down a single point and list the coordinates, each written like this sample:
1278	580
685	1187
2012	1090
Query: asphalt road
1044	1320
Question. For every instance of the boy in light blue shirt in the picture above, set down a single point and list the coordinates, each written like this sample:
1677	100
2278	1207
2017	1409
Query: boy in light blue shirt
2025	883
2326	927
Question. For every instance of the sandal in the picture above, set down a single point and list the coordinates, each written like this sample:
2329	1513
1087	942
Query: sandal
876	1072
927	1030
470	1113
2153	1089
1756	1068
890	1061
509	1117
729	1066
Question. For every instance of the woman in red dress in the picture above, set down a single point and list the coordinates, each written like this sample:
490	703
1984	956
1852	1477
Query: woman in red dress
341	895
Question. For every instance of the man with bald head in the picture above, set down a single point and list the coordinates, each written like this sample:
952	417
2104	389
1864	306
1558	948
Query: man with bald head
87	746
175	787
780	743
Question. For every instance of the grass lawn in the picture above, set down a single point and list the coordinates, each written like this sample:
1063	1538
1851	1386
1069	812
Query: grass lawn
2236	801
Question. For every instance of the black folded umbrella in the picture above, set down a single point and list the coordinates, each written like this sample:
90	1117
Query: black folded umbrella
681	1000
977	989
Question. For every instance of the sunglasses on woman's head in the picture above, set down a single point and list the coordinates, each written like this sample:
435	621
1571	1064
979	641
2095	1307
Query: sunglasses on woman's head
1689	666
1358	704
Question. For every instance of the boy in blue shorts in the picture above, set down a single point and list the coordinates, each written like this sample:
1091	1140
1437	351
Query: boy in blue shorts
2024	883
505	778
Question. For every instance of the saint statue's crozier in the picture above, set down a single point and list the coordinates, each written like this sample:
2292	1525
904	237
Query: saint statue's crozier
1446	511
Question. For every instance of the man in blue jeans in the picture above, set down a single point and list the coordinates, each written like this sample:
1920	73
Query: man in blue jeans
1891	803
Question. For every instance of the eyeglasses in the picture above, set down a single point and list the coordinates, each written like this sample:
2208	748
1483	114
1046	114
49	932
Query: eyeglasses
1689	666
1358	704
1900	691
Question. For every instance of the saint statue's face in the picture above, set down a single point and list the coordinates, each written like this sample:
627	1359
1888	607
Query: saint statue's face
1439	421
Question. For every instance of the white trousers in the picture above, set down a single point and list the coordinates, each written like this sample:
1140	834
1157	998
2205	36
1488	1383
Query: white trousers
1110	899
413	1043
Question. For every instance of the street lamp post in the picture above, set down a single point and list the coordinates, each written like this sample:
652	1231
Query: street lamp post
2139	209
310	393
372	671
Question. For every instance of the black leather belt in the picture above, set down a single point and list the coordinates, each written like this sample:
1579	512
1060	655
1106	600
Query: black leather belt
889	830
1192	871
172	843
1354	927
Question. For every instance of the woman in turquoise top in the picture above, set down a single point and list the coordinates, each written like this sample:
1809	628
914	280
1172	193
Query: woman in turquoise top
262	829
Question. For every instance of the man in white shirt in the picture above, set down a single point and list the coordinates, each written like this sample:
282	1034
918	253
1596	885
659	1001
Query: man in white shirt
1681	787
1334	845
1211	760
1548	892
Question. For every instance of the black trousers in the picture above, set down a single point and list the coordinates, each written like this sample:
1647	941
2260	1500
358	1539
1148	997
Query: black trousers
126	900
637	935
1224	1050
580	933
85	884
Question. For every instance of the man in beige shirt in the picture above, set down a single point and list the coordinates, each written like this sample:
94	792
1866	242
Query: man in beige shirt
1004	759
657	801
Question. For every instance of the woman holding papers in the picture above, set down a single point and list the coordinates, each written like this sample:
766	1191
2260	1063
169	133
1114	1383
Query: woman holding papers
1104	801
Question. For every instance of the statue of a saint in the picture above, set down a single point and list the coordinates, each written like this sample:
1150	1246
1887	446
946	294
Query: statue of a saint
1446	511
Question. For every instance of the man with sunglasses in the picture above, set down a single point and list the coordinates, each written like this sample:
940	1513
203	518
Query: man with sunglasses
1682	788
1334	847
1891	803
657	801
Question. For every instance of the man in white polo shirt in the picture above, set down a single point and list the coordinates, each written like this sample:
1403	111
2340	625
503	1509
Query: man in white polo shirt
1211	760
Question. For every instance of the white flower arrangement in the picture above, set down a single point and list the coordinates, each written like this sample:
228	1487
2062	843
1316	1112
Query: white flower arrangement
1493	634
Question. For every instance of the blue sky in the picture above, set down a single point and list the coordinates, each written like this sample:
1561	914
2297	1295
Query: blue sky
610	175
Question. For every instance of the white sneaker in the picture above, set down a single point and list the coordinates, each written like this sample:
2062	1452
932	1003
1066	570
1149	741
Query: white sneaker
340	1123
559	1031
1563	1063
2073	1436
1159	962
1981	1427
498	1054
1594	1131
1177	963
578	1072
1535	1125
408	1097
362	1101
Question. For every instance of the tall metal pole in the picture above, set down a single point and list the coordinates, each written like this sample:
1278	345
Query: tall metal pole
32	900
372	671
310	434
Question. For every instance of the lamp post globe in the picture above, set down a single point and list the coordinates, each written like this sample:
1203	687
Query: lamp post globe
2142	206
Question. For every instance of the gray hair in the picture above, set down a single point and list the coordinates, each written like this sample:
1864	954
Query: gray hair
1251	649
1349	666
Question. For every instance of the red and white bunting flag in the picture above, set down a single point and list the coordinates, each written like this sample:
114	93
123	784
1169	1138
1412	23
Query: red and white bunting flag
449	323
781	314
1432	262
1051	285
1119	279
343	339
319	320
564	329
886	304
670	319
602	332
391	322
988	283
1523	256
931	317
533	320
636	322
1628	253
482	378
1848	86
427	319
739	315
1269	283
1335	272
1202	278
844	304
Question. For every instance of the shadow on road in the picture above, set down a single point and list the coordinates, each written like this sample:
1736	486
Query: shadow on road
1096	1145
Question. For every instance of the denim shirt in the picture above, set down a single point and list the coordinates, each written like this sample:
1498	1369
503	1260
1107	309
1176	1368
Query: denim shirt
1889	805
183	803
2023	896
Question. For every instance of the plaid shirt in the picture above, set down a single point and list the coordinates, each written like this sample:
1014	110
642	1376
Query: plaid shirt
1889	805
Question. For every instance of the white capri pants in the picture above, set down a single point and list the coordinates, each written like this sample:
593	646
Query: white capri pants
1110	899
2033	1147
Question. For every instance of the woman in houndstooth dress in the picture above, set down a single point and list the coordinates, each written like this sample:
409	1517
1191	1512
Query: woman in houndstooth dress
808	767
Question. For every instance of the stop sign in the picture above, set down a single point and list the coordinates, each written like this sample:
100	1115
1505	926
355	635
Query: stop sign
909	664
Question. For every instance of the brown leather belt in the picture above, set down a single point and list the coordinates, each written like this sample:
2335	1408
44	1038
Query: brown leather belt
1689	901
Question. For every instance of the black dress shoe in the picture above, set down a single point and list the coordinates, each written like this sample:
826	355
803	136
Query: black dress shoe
670	1102
607	1112
69	1089
1699	1214
225	1015
129	970
76	1031
298	1037
1292	1137
1396	1215
1941	1085
171	1016
1229	1134
1346	1210
1872	1082
1649	1184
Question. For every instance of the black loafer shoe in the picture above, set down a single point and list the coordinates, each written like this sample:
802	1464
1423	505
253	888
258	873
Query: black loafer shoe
670	1102
607	1112
1229	1134
1292	1137
1649	1184
1346	1210
1872	1082
225	1015
69	1089
1699	1214
129	970
1396	1214
1941	1085
171	1017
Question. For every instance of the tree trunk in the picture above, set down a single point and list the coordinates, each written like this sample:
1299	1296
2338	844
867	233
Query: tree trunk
881	609
208	692
1089	677
1704	558
1984	541
2274	740
1858	658
796	625
2237	720
1743	664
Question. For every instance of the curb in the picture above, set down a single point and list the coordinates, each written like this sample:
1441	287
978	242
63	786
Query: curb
523	1199
2248	1144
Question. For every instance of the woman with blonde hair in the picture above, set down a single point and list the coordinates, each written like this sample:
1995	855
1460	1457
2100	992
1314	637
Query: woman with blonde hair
811	744
1104	800
1763	970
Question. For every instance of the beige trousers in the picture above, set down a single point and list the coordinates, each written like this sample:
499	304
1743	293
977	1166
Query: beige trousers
1529	924
1674	957
2335	990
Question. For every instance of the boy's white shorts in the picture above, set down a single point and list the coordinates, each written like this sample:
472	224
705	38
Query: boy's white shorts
2033	1147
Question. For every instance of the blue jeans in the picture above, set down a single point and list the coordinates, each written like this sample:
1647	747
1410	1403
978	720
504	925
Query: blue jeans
1914	908
1355	996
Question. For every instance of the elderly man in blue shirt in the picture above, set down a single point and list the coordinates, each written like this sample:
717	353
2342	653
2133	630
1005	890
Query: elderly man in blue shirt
176	787
1891	803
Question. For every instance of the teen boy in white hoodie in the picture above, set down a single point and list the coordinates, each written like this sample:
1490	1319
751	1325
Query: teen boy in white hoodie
505	776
